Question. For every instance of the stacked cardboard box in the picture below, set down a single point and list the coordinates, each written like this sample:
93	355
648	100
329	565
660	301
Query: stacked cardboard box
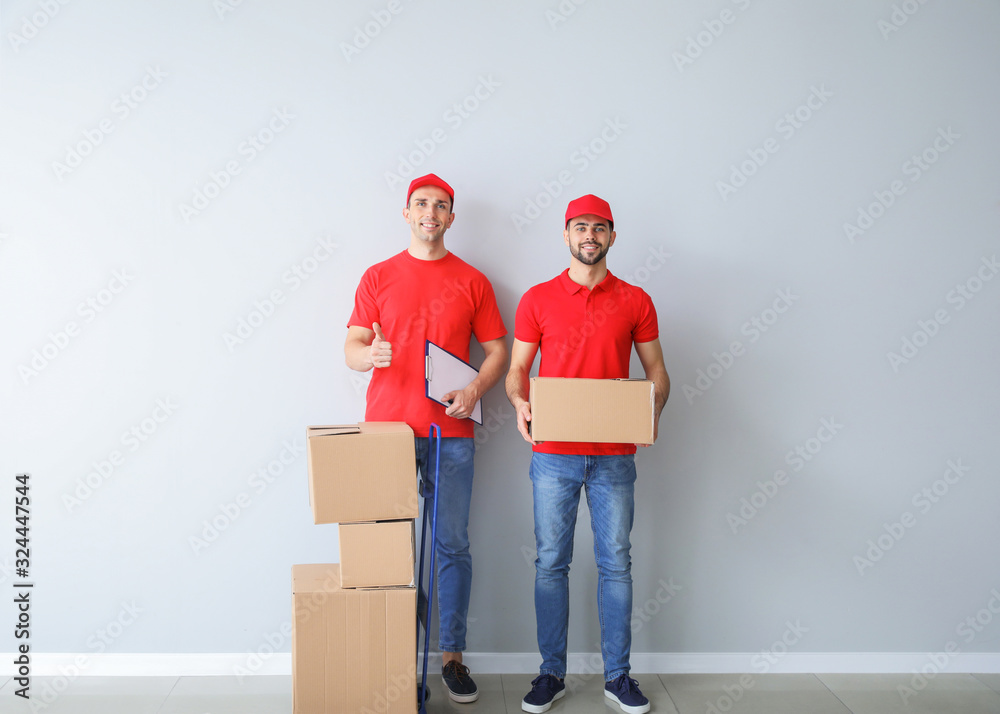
354	622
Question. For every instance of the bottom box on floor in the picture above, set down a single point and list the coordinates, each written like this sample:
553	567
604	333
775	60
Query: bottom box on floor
353	651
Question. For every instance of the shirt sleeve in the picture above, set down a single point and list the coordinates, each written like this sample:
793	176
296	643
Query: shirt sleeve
365	306
486	322
646	328
526	327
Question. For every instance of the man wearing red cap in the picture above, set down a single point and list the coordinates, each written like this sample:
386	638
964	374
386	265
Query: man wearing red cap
586	321
428	293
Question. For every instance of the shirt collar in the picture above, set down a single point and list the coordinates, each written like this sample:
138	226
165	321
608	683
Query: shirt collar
607	285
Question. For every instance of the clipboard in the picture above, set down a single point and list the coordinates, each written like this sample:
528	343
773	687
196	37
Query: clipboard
444	372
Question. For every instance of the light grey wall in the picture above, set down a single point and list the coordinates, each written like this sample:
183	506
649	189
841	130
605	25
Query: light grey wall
670	99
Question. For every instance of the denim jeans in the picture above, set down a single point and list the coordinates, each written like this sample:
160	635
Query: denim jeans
453	560
609	483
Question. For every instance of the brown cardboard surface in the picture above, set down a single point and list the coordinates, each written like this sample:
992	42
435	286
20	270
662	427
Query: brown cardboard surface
362	472
597	410
377	554
353	651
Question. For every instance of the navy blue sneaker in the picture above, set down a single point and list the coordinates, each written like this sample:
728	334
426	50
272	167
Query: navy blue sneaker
625	691
545	689
459	684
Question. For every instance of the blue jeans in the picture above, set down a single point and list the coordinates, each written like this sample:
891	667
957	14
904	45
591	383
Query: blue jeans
454	562
609	482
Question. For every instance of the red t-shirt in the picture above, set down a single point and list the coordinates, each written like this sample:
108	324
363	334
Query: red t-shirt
585	333
445	301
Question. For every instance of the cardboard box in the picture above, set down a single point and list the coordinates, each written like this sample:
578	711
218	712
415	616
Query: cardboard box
353	651
375	555
362	472
597	410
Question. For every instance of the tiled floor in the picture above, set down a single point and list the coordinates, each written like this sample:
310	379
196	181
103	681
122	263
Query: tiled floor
501	694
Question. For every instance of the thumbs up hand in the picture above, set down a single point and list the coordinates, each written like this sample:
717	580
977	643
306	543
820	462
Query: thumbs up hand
381	349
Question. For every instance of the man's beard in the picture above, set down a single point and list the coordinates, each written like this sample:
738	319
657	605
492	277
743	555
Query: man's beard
593	259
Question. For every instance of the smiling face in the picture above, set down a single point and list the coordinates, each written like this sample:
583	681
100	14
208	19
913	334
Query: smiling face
589	238
429	213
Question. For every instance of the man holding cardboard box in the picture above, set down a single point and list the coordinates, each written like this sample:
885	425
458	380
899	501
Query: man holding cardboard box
427	293
585	321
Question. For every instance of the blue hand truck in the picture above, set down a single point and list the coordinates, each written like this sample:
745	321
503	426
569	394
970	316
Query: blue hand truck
425	602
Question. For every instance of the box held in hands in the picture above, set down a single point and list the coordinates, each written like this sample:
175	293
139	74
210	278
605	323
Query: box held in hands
596	410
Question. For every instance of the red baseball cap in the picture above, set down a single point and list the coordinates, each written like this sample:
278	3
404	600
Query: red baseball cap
430	180
589	204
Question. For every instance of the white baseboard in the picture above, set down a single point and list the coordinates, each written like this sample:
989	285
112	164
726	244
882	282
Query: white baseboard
72	666
751	662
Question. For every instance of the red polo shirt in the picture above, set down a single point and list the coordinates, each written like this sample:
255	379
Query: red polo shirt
585	333
446	301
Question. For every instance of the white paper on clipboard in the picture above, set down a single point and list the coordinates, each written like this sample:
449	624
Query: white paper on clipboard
446	373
